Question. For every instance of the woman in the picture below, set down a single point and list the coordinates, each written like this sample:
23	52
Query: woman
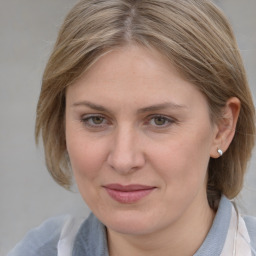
147	104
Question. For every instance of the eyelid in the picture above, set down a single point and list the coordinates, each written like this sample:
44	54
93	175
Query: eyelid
87	116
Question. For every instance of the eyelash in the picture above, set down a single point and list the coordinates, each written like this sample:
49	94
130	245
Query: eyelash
88	121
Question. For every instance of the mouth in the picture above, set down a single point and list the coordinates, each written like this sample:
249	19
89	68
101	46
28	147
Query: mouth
128	194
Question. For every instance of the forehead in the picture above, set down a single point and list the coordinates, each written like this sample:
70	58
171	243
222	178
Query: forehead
131	60
133	74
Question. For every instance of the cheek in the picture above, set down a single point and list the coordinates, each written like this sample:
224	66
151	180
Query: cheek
86	157
87	162
183	161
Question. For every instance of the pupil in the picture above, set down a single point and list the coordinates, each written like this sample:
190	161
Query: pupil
159	120
97	120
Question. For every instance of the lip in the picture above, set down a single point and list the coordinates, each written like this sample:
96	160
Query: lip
128	194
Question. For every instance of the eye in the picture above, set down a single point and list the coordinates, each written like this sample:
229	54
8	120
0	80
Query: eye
160	121
97	120
94	121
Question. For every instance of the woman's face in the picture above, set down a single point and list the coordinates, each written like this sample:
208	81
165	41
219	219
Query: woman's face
139	138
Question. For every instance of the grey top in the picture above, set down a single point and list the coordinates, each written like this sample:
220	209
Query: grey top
91	238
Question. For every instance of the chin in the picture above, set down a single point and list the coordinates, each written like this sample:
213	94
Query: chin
131	228
132	222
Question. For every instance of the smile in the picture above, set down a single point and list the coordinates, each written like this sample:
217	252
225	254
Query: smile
128	194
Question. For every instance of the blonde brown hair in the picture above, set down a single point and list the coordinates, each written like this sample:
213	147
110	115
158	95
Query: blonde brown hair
193	34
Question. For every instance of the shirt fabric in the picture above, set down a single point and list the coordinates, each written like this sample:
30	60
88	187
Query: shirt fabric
230	234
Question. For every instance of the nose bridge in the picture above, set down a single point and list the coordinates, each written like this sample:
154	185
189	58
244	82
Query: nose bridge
126	154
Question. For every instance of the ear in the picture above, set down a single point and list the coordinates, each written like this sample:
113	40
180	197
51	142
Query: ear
226	127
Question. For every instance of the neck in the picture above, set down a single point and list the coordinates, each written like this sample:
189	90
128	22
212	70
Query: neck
184	237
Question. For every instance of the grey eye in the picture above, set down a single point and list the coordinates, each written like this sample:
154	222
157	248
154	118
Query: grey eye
160	120
97	120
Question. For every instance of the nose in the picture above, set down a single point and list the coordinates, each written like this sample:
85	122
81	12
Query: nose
126	154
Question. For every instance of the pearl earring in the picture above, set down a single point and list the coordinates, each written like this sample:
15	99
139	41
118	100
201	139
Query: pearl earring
220	152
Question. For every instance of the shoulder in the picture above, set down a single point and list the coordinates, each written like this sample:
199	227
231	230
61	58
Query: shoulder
42	240
250	223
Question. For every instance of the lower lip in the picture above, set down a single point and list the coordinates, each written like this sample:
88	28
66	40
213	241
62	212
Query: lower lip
128	197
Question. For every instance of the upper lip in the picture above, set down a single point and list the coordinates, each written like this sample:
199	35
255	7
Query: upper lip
126	188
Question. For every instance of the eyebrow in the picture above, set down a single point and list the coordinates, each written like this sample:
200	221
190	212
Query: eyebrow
91	105
152	108
162	106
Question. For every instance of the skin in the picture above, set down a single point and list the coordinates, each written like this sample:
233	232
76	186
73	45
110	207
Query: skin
132	119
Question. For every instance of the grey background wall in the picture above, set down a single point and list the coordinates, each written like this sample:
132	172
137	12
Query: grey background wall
28	195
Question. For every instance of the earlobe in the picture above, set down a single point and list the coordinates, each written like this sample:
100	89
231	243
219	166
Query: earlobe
226	127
